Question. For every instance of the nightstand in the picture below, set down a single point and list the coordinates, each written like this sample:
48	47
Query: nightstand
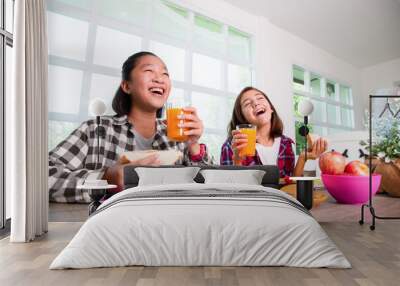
308	197
97	189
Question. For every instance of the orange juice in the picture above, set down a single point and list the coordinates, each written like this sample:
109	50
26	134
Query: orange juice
250	149
174	132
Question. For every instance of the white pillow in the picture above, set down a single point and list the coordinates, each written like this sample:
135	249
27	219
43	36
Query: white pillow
248	177
166	176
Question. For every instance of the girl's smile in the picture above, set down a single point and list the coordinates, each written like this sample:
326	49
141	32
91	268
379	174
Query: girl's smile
255	108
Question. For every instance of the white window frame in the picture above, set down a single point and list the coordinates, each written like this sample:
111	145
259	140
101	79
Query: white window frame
323	98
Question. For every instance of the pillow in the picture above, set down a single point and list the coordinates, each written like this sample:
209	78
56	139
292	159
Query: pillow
249	177
166	176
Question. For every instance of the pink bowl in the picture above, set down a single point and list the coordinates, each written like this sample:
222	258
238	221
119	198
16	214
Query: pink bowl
348	189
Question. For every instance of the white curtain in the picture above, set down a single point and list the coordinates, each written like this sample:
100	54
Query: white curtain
27	123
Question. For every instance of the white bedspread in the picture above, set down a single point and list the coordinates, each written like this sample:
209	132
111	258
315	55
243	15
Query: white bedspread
191	230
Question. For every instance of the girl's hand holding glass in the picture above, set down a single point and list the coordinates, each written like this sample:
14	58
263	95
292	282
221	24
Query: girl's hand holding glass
239	143
192	125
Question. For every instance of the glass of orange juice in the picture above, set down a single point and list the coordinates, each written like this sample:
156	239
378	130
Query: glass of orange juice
174	132
251	132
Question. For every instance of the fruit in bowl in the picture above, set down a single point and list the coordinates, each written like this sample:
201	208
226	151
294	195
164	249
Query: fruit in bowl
350	189
348	184
356	168
332	163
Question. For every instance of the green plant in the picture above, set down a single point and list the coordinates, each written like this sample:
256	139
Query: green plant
300	140
386	145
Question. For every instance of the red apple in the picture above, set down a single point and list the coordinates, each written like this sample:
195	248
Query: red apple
332	163
356	168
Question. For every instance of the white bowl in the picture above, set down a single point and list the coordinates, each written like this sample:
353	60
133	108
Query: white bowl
95	183
166	157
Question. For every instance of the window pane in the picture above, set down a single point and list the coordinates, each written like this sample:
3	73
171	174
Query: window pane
209	108
315	84
347	117
227	116
319	130
177	96
59	131
9	70
207	71
9	15
67	36
319	111
85	4
65	87
333	114
171	20
238	78
298	79
208	35
127	11
214	143
238	45
345	95
106	41
330	90
104	87
174	59
335	131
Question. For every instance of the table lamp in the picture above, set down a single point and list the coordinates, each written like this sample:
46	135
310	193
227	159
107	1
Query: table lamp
97	108
305	108
304	185
97	188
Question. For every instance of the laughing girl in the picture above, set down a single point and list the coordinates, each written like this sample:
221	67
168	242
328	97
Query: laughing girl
138	103
252	106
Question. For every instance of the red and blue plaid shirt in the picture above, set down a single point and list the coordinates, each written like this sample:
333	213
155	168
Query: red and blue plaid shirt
285	161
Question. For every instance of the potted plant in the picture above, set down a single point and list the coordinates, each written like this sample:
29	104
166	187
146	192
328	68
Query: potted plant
385	152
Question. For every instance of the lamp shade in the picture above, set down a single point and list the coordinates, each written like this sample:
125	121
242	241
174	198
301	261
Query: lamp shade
305	107
97	107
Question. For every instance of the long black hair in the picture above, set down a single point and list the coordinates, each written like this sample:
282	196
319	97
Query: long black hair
122	101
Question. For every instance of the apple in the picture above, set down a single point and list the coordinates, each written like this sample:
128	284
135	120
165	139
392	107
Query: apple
356	168
332	163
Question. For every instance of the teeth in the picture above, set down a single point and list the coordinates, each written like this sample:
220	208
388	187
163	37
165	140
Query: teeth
157	90
258	112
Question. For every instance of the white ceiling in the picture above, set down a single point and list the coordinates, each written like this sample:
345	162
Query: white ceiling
361	32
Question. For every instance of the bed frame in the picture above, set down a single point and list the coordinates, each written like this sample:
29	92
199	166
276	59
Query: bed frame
270	179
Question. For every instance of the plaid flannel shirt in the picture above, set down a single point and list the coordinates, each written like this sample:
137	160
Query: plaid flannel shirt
75	158
285	161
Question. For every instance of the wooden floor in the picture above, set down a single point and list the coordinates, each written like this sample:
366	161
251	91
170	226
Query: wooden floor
374	255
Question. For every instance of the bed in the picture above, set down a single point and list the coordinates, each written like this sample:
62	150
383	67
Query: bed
201	224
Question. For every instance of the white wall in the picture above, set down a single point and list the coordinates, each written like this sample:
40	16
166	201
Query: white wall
380	76
276	51
280	50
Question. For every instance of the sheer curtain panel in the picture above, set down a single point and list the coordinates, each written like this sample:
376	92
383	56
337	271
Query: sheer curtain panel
27	127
